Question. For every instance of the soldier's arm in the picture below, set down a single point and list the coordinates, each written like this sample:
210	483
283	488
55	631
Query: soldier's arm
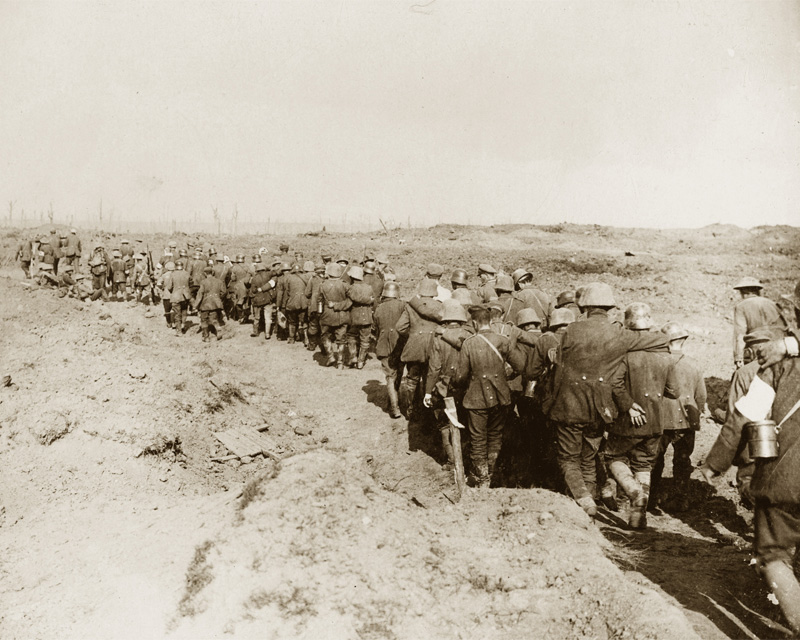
700	394
739	330
404	323
462	370
646	340
434	366
619	387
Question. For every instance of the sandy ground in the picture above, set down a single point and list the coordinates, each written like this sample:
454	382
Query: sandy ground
116	523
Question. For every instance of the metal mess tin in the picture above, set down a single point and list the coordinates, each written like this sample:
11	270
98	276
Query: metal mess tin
762	439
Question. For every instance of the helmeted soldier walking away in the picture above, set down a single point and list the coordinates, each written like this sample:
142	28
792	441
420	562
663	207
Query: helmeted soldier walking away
262	297
180	296
389	344
633	439
238	289
481	368
442	368
531	297
751	312
209	303
98	266
314	306
165	286
73	249
433	272
46	254
119	276
335	315
195	268
25	256
685	402
487	274
358	335
55	244
417	324
581	404
374	280
511	306
293	303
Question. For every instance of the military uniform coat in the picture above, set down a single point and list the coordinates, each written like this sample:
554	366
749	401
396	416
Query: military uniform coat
752	313
262	289
210	294
417	323
292	292
483	370
384	321
443	361
685	394
589	355
376	283
360	293
334	291
178	287
73	246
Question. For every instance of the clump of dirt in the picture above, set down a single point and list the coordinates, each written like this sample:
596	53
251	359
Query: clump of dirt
52	425
322	551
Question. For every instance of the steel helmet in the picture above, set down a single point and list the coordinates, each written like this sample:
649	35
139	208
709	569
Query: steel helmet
342	260
637	316
308	266
198	253
391	290
504	283
486	268
73	231
749	282
519	275
183	253
561	318
239	257
285	266
564	298
459	276
428	288
257	258
179	266
170	266
335	270
355	272
674	331
527	316
283	247
434	270
453	311
597	294
116	253
126	241
382	258
369	266
62	234
260	266
463	296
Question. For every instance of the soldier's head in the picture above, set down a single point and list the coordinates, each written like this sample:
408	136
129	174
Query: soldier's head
428	289
334	270
749	286
260	266
637	317
382	259
369	266
53	231
283	247
179	266
308	266
463	296
172	245
198	254
124	241
116	253
495	311
183	253
504	284
285	266
481	316
208	271
597	295
453	313
486	272
73	231
170	266
356	273
458	279
342	261
62	235
239	258
326	257
220	257
560	318
391	290
528	320
564	298
522	278
434	271
676	335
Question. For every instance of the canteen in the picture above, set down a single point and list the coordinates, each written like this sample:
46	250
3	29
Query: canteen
762	439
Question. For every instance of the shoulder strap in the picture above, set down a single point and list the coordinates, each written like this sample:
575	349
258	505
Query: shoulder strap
492	347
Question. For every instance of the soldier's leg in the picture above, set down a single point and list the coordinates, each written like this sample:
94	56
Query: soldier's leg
408	386
443	424
341	340
204	325
364	336
494	433
390	372
167	312
682	467
657	472
352	345
258	312
291	325
569	443
477	424
592	438
642	457
218	314
313	330
302	327
26	268
269	317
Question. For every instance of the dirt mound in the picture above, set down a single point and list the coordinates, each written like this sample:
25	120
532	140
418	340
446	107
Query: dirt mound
322	551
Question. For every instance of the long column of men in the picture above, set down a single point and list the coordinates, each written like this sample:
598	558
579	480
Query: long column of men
599	396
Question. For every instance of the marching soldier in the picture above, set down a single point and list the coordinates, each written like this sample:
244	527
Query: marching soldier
99	267
73	250
119	275
458	280
164	285
510	305
314	306
293	303
25	256
753	311
262	297
389	345
358	336
487	274
335	315
240	282
373	280
433	272
179	296
209	303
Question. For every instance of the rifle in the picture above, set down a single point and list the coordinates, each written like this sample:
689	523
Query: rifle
152	273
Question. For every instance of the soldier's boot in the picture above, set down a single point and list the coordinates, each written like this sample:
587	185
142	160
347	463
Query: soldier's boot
292	333
780	578
176	322
338	352
482	475
311	341
304	333
638	516
394	404
362	358
204	329
267	327
447	447
633	489
608	495
352	351
588	504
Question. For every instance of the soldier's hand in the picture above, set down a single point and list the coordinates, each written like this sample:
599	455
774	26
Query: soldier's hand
638	416
771	353
330	305
428	400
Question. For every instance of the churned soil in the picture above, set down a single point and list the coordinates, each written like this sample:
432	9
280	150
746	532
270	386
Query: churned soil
116	522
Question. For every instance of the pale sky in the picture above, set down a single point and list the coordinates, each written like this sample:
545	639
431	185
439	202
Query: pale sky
633	113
